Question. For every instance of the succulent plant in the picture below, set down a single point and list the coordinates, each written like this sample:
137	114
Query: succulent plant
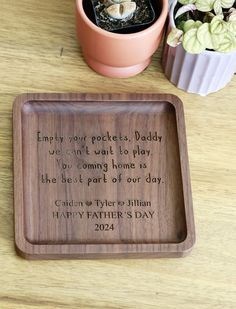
204	24
119	9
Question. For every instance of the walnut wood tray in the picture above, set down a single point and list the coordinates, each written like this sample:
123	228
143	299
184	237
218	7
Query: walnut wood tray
101	176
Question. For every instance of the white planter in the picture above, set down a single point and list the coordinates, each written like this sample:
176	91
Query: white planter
203	73
171	2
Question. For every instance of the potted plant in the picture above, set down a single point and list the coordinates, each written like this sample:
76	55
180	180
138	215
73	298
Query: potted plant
200	52
121	54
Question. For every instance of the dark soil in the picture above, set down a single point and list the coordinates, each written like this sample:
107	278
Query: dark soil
144	14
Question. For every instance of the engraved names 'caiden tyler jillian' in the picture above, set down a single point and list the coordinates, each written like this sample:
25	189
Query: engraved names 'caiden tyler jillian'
103	203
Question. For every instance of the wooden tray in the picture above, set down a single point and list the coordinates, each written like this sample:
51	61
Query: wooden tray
101	176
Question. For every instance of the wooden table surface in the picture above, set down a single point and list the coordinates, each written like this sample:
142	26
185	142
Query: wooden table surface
39	53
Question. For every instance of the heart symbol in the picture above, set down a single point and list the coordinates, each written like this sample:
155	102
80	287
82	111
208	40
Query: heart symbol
88	203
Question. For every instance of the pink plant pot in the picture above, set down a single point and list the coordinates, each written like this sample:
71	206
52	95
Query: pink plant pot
118	55
203	73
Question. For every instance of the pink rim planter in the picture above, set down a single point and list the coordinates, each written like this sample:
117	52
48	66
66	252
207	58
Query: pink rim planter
203	73
118	55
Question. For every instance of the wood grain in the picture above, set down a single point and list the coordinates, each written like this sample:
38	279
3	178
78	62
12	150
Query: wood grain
39	53
66	199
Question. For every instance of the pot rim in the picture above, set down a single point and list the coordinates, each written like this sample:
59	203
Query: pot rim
172	23
163	15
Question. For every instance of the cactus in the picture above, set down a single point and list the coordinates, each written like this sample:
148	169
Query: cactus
204	24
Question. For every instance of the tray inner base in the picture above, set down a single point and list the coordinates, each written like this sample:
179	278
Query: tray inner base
101	172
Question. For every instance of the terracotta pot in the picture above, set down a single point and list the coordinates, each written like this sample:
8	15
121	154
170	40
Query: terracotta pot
203	73
118	55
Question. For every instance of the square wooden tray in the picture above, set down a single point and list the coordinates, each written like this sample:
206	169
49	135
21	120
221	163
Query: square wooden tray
101	176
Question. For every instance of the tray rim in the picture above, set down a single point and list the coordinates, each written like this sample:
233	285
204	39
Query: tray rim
85	251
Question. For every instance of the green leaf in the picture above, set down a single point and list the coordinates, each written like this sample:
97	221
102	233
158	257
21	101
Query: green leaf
226	4
232	26
204	36
184	2
228	44
218	25
217	7
189	24
181	25
205	5
175	37
198	23
216	40
191	43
